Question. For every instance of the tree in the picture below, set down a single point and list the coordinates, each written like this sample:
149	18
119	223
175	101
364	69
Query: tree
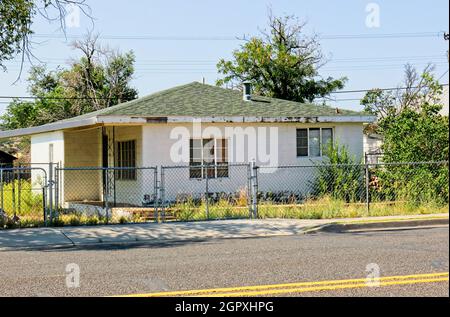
409	119
413	130
416	90
282	63
100	79
16	18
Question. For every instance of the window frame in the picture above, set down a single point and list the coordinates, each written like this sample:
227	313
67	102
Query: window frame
219	169
120	160
308	141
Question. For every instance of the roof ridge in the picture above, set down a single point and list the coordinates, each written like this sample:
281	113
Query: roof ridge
145	98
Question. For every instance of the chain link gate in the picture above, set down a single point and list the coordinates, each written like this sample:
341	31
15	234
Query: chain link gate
24	196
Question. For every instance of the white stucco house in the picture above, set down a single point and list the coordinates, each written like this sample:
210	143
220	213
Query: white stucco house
192	124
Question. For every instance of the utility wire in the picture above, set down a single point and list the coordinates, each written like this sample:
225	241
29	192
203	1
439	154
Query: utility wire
86	98
235	38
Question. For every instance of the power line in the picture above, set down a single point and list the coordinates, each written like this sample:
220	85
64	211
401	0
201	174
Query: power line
86	98
211	61
442	76
382	89
244	38
52	98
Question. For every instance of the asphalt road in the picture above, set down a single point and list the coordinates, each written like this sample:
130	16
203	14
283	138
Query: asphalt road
133	269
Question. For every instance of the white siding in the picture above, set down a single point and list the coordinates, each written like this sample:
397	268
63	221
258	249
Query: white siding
157	146
40	153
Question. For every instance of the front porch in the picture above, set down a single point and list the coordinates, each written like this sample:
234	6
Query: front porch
100	166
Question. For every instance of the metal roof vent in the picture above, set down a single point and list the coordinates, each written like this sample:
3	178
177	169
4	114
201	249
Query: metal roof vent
247	90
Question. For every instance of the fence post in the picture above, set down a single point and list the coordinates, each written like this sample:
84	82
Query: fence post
207	194
254	188
1	188
162	194
107	195
50	191
13	192
367	188
19	190
57	186
44	205
155	194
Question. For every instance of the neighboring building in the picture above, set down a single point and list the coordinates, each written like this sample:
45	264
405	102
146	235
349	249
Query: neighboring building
6	159
143	133
372	148
444	100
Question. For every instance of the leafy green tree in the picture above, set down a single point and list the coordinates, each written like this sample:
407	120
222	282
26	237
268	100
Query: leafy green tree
100	79
16	19
409	119
413	130
282	63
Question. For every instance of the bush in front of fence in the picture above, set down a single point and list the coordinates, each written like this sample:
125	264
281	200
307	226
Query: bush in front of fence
219	206
341	176
20	196
328	207
415	183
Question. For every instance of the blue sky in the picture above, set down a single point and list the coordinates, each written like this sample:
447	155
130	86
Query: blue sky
178	59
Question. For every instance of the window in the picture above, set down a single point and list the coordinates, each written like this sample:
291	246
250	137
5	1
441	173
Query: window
302	142
126	157
327	137
211	152
312	141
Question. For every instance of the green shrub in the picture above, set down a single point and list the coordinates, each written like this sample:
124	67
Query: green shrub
23	197
340	176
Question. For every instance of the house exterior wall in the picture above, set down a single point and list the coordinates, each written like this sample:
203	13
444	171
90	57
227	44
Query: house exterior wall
40	154
82	149
156	141
157	144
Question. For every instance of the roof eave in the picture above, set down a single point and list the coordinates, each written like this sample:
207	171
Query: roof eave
236	119
51	127
181	119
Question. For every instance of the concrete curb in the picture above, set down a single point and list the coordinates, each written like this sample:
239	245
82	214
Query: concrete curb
379	226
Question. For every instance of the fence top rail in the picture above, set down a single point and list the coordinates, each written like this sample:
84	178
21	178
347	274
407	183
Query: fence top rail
22	169
410	163
362	165
98	168
205	166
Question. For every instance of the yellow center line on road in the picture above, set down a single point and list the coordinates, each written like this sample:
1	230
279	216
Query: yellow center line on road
326	288
305	286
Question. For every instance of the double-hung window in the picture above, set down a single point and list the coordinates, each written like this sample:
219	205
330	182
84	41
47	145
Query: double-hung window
126	159
208	158
312	141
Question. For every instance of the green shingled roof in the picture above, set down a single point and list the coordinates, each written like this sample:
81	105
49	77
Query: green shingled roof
200	100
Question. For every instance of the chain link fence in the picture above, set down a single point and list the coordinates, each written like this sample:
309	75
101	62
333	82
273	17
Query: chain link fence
201	192
352	190
73	196
107	195
23	196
